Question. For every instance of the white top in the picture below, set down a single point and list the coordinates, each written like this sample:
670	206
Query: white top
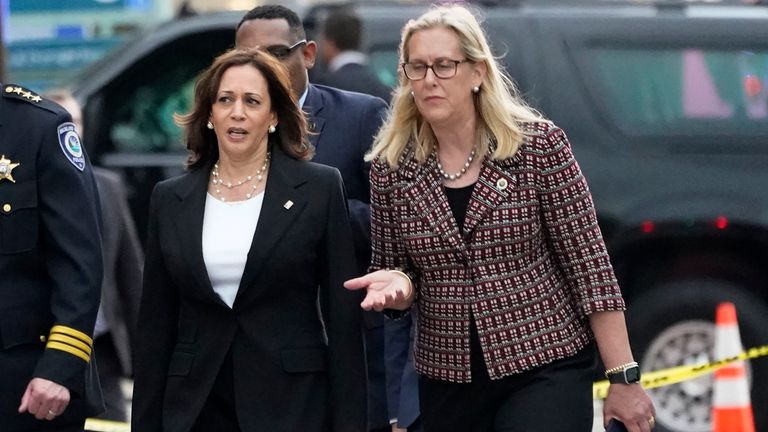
228	229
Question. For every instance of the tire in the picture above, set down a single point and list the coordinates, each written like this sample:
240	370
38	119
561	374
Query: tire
673	324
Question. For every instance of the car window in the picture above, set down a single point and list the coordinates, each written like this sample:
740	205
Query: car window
144	123
697	90
142	101
383	60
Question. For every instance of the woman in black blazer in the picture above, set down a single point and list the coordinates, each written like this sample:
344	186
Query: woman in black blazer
244	323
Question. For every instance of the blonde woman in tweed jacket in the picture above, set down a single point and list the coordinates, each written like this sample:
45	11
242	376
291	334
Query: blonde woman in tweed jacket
482	218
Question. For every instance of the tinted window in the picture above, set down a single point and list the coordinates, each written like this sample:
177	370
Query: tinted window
142	102
383	60
697	91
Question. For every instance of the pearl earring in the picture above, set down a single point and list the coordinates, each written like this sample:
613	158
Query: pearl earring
209	125
412	95
271	129
476	89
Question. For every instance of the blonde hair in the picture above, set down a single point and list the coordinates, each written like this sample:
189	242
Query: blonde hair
499	106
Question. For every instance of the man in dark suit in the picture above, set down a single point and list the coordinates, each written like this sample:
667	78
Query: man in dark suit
347	65
344	124
348	70
50	268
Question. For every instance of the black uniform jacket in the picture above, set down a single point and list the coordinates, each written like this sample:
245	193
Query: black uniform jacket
294	331
50	259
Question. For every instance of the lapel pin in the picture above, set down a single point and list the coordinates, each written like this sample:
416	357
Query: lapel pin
501	184
288	204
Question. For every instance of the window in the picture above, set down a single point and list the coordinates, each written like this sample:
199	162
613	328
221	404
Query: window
384	60
693	90
142	101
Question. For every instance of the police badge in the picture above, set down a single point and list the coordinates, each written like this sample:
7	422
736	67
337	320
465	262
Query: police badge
71	145
6	168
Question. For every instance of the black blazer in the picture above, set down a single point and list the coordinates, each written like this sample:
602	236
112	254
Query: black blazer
296	367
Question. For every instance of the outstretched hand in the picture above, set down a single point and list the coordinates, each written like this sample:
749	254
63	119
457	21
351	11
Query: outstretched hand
385	290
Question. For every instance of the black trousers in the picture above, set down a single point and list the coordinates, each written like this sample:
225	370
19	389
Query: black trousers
553	398
218	413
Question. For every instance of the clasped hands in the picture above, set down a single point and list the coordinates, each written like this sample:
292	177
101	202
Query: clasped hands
385	289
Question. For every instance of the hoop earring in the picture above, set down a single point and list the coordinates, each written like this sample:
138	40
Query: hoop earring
476	89
209	125
271	129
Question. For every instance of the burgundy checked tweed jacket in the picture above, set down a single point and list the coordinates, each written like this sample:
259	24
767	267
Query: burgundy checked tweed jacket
529	266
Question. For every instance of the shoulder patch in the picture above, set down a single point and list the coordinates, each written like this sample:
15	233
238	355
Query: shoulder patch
19	92
70	144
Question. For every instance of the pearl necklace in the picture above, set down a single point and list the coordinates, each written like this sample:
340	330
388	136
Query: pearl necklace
217	181
463	168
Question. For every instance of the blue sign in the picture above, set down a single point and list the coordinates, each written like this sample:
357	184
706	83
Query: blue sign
57	54
5	12
72	5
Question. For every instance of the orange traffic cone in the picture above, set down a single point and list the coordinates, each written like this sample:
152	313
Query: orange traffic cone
731	405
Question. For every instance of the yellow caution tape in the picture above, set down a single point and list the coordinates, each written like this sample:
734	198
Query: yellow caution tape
679	374
650	380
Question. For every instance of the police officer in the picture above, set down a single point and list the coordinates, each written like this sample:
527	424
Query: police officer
50	268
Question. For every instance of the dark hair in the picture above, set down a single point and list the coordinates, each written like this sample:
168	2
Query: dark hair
269	12
291	134
344	29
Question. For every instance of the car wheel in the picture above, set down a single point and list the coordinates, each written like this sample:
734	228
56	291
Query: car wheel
672	325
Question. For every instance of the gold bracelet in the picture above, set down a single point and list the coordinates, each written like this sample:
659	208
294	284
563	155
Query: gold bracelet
620	368
408	278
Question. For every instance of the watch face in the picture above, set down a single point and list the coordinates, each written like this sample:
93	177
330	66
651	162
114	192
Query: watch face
632	374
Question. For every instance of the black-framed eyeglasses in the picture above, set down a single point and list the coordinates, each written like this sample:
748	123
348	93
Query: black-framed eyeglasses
281	52
442	68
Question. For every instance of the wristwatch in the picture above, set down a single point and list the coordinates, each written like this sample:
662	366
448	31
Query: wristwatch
626	374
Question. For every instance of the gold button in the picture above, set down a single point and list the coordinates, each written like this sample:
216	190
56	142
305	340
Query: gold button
42	338
7	208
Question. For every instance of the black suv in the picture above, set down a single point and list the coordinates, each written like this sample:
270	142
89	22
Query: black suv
667	108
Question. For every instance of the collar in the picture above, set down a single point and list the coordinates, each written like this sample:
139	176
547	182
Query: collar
303	97
346	57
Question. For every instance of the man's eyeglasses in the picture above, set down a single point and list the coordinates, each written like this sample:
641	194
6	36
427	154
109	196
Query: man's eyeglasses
443	69
281	52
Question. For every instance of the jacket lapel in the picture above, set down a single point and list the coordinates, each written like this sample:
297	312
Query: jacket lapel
313	106
189	227
492	188
283	203
427	198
